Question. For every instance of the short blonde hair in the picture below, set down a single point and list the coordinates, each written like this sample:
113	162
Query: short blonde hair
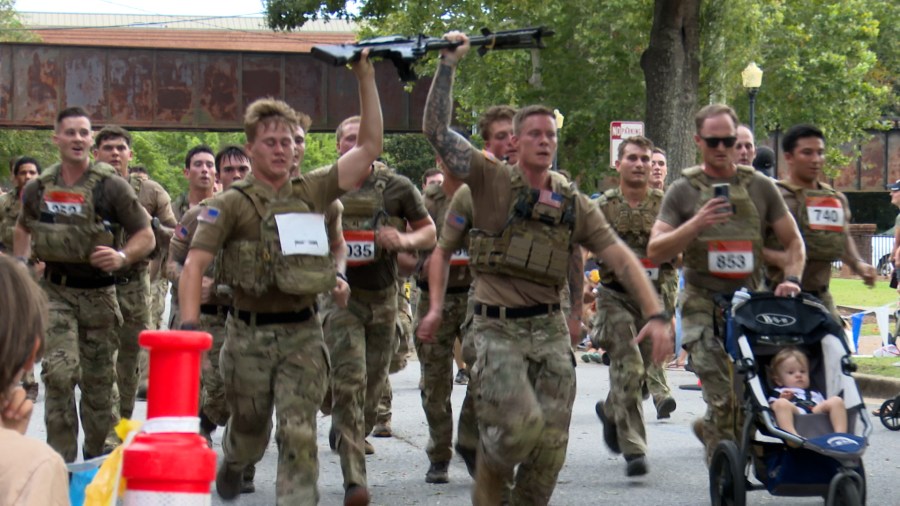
783	356
713	110
266	111
23	320
339	132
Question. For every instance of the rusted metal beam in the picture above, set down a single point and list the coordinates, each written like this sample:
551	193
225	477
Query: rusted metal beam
187	90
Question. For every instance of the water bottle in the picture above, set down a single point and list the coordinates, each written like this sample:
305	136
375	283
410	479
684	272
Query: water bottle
739	297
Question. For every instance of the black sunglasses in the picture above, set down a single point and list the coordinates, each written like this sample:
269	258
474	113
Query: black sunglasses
713	142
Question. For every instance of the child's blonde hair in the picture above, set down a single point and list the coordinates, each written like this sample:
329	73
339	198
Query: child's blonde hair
781	357
23	319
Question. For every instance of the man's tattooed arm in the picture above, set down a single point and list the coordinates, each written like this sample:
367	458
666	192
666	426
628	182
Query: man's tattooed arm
454	149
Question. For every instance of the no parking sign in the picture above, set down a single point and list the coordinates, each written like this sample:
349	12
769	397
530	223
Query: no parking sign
619	131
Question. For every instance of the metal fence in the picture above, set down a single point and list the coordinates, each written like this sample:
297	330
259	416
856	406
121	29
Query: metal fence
880	247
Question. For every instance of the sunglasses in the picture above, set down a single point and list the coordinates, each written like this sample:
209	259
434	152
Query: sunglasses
713	142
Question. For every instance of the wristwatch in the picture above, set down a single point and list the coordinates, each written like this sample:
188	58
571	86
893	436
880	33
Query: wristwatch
792	279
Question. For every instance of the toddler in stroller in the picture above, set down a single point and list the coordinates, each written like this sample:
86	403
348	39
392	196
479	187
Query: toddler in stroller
789	370
791	454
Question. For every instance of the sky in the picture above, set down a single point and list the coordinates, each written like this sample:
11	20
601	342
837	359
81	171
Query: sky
165	7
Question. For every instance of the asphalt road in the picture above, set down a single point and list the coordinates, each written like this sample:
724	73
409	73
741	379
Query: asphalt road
591	474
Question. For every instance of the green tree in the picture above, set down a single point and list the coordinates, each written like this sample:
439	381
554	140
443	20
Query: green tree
11	28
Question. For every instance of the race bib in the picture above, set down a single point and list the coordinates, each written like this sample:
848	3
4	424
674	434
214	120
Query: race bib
360	247
731	259
651	269
460	257
60	202
825	213
302	234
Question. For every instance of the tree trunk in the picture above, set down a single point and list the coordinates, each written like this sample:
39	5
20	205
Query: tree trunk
672	73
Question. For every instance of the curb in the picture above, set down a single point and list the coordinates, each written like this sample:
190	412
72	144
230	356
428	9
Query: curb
879	387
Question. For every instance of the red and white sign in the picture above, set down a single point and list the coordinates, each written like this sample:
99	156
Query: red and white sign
731	259
825	213
360	247
619	131
651	269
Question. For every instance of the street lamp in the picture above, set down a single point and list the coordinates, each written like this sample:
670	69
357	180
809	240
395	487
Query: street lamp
752	77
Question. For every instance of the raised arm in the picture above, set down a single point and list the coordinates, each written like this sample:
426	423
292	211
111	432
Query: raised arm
354	164
453	148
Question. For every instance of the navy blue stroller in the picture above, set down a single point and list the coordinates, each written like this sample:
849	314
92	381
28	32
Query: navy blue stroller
818	462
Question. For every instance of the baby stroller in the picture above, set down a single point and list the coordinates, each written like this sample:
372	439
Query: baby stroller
817	462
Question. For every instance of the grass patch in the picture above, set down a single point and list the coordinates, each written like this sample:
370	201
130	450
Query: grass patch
878	366
852	292
871	329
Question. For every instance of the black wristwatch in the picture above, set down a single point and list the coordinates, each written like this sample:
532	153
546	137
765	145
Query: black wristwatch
661	316
343	276
793	279
189	326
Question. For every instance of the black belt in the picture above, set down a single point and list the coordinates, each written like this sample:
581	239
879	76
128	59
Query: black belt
79	282
274	318
614	285
214	309
514	312
453	290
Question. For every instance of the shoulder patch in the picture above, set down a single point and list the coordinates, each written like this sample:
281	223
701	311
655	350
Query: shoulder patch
456	221
550	198
209	215
490	156
181	231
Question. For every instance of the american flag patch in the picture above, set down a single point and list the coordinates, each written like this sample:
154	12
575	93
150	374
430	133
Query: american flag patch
211	214
181	232
549	198
456	221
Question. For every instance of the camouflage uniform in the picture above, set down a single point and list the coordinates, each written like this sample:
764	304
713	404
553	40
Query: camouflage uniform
180	205
361	337
81	337
721	260
213	315
274	355
825	237
618	319
134	295
455	237
401	353
524	358
436	359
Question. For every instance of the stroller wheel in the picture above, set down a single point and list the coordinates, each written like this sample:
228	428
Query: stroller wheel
845	490
727	483
890	415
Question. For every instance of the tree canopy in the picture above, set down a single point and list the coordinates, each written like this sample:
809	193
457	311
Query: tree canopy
829	62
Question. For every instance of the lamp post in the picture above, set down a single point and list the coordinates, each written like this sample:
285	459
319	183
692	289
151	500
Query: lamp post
752	78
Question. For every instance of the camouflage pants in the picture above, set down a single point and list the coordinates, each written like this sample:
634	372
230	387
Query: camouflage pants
212	393
360	340
436	361
699	319
616	324
79	351
134	301
467	426
526	392
398	360
283	367
158	291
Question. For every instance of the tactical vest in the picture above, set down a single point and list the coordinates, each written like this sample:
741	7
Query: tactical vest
259	266
10	205
363	214
633	225
731	250
535	242
821	219
438	204
69	227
